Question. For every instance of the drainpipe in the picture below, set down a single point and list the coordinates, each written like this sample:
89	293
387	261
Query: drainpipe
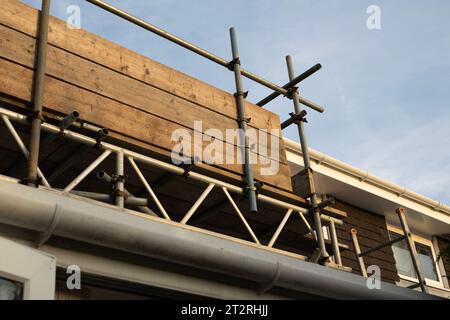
38	94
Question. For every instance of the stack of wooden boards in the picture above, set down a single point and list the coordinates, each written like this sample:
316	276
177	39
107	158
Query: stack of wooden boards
138	99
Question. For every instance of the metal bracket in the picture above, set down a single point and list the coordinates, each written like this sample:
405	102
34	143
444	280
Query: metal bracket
36	182
295	118
187	167
257	189
290	92
118	178
66	122
230	65
315	258
299	117
258	185
247	189
247	120
101	135
61	133
36	115
306	171
327	202
120	193
241	94
323	260
318	258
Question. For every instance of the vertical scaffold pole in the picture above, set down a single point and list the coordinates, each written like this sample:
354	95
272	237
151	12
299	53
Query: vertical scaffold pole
38	94
307	164
240	95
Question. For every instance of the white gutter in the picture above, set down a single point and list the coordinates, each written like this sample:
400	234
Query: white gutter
56	213
365	176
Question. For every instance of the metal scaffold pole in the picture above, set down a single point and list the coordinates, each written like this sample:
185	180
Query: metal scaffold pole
307	163
38	94
240	95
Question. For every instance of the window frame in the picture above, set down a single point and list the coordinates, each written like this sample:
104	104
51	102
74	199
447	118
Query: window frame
429	243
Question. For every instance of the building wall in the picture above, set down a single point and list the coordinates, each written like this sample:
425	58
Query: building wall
372	231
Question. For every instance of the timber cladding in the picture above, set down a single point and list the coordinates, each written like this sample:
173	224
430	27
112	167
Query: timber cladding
372	231
129	94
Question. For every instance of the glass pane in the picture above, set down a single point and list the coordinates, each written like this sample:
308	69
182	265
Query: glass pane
10	290
426	259
402	257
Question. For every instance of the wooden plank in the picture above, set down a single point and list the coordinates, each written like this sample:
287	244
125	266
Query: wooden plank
20	48
24	18
16	80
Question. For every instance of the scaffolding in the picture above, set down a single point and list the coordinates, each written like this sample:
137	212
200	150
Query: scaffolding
122	197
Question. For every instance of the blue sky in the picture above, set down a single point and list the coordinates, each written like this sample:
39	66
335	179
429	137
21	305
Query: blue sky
386	92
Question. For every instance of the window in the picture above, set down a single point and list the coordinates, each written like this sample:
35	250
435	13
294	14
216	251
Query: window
404	261
10	290
427	260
